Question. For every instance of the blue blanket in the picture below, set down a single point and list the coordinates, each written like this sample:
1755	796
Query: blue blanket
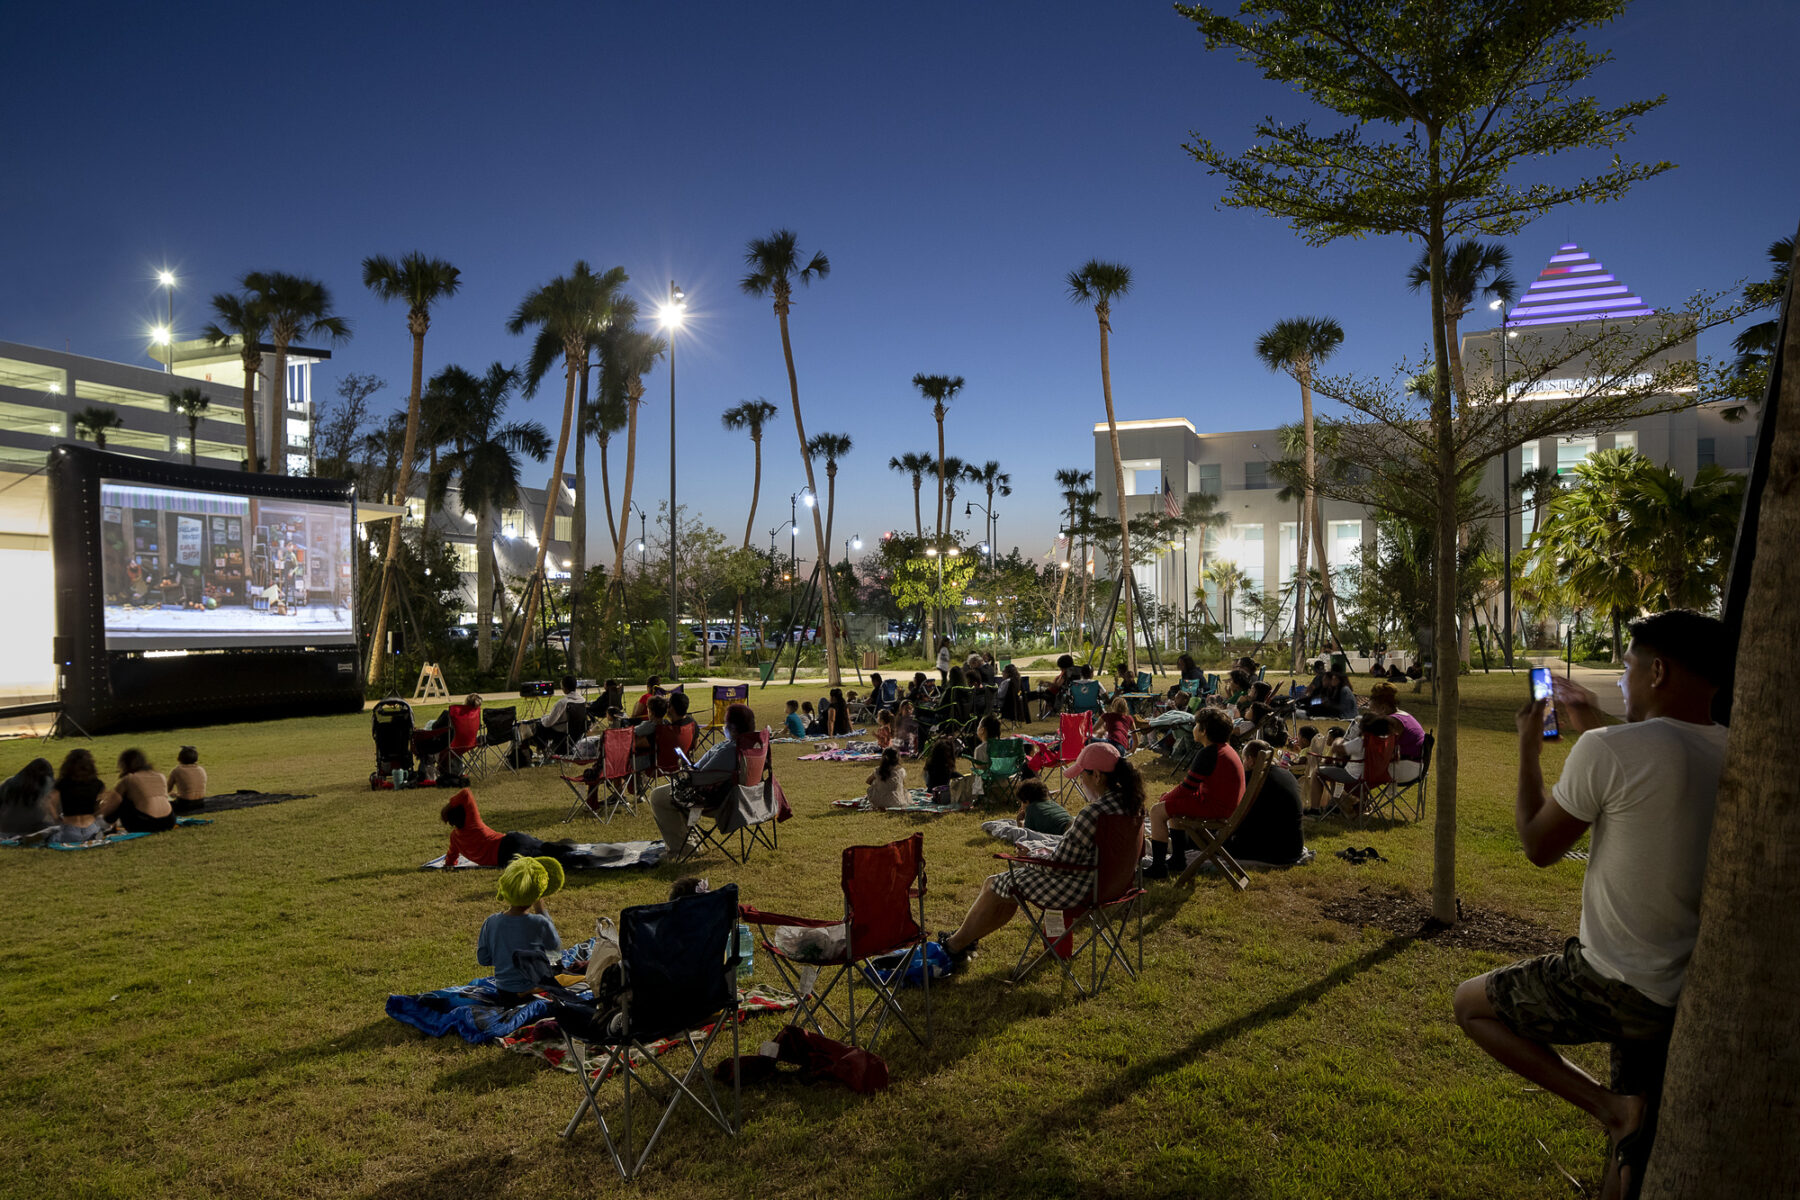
469	1010
37	839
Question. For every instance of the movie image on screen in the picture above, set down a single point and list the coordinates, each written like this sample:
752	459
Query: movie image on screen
188	569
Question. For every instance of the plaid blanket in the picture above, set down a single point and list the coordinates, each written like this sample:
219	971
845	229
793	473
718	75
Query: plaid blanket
41	837
918	800
601	855
469	1010
849	752
543	1038
817	737
1043	845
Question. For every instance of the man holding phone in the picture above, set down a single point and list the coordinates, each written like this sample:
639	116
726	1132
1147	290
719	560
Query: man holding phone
1646	788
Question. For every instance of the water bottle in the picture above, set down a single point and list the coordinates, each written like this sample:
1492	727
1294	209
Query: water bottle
746	947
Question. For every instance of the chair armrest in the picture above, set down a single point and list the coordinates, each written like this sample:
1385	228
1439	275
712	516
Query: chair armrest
1047	862
757	917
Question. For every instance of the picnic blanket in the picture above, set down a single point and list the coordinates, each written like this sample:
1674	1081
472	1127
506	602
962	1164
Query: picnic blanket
817	737
600	856
1043	845
470	1010
248	798
918	800
41	837
543	1038
849	752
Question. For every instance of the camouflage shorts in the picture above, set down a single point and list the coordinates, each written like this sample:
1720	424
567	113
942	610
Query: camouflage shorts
1561	1000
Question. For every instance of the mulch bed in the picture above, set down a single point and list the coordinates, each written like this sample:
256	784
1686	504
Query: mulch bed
1479	929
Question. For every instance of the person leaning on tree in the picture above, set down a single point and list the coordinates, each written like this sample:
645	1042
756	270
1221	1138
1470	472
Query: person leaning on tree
1646	789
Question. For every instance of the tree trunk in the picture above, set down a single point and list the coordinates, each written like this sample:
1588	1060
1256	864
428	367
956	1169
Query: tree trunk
833	676
634	395
251	369
534	586
1112	430
578	528
937	615
613	532
408	448
737	616
1306	512
1443	861
278	410
1731	1107
484	589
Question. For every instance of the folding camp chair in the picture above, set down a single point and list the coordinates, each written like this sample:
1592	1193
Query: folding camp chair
1212	685
1191	686
1390	800
1209	836
723	697
750	811
1377	763
600	789
498	748
1083	696
669	739
884	915
465	736
1072	737
678	967
1005	761
391	721
1098	925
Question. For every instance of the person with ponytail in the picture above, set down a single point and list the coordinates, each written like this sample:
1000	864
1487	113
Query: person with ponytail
1270	830
1110	784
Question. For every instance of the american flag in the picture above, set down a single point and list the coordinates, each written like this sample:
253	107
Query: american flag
1170	508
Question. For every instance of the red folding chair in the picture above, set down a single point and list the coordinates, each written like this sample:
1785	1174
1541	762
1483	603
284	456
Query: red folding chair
1101	921
884	914
600	789
670	738
1377	776
465	736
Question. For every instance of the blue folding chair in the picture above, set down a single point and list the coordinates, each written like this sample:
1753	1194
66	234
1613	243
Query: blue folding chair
1084	697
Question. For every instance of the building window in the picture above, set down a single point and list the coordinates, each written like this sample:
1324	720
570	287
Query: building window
1571	453
1625	440
1345	544
124	397
565	529
1708	454
1249	539
1143	476
512	522
1290	563
32	377
1206	479
466	560
1256	477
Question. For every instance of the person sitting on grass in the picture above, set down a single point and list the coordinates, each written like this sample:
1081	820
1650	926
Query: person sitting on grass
471	839
1647	790
906	729
837	714
139	802
24	797
1038	812
1211	791
524	926
985	732
187	782
940	764
1111	785
884	729
1116	724
810	717
795	723
887	783
75	800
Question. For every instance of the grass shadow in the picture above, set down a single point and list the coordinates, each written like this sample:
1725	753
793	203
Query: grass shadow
376	1035
490	1073
471	1175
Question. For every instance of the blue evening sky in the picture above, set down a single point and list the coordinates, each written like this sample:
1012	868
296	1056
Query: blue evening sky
954	160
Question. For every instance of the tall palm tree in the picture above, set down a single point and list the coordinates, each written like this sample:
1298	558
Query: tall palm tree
1472	270
627	354
1296	346
830	447
487	476
242	318
751	415
1070	481
296	307
191	403
607	417
774	264
940	390
381	449
954	473
418	282
914	466
1228	579
990	477
94	421
567	312
1099	284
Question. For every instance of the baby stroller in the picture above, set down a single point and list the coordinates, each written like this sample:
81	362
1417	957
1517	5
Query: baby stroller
392	724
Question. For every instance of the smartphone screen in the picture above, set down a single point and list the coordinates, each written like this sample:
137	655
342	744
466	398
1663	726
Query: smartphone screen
1551	732
1540	683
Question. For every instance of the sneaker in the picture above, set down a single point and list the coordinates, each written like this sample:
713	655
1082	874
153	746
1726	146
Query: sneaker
958	958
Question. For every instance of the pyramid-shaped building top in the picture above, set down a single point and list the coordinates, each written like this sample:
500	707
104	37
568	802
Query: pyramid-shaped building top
1575	286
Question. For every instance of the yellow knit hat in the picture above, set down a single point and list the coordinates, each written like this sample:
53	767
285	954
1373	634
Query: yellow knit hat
527	880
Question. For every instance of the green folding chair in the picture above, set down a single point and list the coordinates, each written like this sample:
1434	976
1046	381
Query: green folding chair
1000	777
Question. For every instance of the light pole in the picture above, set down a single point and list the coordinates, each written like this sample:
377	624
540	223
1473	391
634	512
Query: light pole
852	542
989	524
166	278
1505	491
672	313
794	499
643	534
932	553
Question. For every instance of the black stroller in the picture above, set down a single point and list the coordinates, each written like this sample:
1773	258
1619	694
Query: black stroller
392	724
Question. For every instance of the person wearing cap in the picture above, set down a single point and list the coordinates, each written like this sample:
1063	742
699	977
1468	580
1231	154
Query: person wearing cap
524	926
1384	701
1110	784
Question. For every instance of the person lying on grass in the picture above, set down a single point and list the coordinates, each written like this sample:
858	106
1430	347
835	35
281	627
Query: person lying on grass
523	926
1111	785
471	838
1646	789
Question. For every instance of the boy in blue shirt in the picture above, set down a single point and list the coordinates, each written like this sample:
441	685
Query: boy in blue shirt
523	926
796	724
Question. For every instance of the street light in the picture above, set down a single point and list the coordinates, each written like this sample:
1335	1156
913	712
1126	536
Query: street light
672	313
643	534
992	527
166	278
852	542
794	499
1506	517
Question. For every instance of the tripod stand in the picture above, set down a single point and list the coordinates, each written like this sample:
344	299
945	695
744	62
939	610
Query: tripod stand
1103	646
800	616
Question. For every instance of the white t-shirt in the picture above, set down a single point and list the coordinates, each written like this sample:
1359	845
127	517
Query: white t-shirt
1648	790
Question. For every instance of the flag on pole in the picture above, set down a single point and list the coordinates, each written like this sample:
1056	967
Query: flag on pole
1169	506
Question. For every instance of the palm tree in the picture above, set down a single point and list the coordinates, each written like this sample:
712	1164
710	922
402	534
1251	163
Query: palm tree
94	421
487	477
1228	579
606	417
914	466
1070	481
1087	515
627	354
296	307
191	403
567	312
940	390
1472	270
242	317
383	445
774	264
1099	284
751	415
1297	345
830	447
990	477
955	471
419	283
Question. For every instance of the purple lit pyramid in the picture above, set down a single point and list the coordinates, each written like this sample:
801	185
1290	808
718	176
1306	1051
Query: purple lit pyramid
1574	286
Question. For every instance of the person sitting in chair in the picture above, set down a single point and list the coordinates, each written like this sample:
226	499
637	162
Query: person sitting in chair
708	784
553	733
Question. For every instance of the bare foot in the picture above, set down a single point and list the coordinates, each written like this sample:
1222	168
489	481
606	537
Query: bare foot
1620	1179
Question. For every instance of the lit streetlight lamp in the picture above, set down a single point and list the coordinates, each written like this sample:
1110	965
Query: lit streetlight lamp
672	313
166	278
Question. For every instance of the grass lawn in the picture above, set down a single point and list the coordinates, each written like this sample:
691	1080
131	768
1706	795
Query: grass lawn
201	1013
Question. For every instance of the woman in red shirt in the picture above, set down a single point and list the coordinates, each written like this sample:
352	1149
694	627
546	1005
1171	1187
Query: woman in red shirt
1211	791
471	838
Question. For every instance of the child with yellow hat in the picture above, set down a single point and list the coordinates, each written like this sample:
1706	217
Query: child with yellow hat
524	925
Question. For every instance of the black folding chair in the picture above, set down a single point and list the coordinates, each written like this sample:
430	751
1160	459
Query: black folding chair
678	969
